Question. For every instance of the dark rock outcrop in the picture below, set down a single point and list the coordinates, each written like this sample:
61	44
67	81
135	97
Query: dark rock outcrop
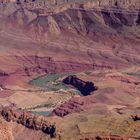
84	87
111	137
135	117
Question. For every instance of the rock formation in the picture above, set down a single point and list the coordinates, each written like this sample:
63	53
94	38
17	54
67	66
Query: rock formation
111	137
84	87
136	117
30	121
5	131
73	106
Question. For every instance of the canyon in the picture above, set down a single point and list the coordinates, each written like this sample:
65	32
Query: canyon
45	44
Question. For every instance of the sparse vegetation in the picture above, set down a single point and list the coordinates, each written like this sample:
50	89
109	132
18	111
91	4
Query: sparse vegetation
48	105
88	72
41	112
50	81
137	74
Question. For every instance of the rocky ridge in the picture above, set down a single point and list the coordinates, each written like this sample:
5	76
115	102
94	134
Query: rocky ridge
115	137
30	121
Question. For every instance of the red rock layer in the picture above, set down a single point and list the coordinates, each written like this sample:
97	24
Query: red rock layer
29	121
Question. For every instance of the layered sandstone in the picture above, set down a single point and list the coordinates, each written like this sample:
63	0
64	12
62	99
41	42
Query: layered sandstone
30	121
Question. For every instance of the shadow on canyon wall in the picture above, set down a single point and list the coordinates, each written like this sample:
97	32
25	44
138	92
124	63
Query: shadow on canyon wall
84	87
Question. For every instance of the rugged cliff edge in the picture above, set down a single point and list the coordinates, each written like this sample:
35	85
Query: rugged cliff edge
30	121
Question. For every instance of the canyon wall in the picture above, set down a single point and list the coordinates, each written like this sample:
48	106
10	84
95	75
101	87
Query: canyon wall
37	123
37	3
85	87
83	3
29	120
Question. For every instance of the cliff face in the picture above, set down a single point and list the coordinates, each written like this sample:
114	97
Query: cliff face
63	31
37	123
114	13
30	121
84	87
124	3
93	19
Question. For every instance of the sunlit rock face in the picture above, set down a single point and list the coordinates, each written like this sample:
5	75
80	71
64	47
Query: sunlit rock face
5	131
